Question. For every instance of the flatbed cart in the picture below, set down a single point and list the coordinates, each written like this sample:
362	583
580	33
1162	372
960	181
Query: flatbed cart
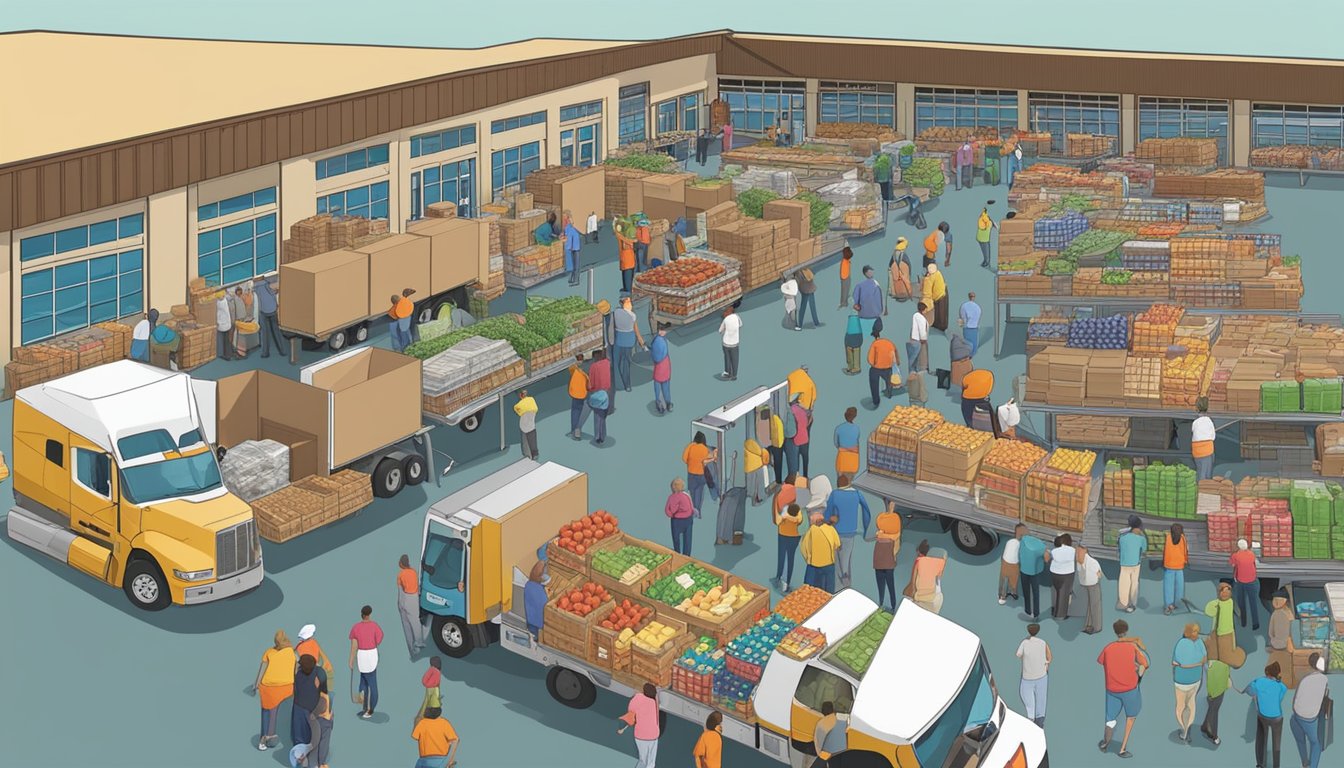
1083	164
1302	173
659	297
356	330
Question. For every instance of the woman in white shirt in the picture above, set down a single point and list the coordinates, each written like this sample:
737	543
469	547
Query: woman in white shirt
592	227
1063	560
730	331
917	349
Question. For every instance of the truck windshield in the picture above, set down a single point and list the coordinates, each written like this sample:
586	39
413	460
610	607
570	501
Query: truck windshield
443	561
183	476
967	725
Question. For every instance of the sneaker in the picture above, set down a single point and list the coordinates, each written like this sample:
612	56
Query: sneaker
1003	601
1103	745
724	375
366	715
261	745
1125	754
786	588
669	407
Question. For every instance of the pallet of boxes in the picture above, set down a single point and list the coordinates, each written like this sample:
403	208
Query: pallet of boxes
1059	493
766	248
38	363
466	371
950	455
1179	151
894	446
1000	484
1110	431
524	260
492	286
692	285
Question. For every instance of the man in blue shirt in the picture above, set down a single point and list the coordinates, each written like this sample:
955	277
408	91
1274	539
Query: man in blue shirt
1031	560
842	509
1133	546
1268	692
534	598
267	306
573	242
869	301
968	317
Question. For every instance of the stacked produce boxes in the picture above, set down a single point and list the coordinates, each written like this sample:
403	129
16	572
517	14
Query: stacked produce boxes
950	454
1117	484
1088	145
1184	380
1155	330
692	284
1223	183
1166	490
1312	508
1056	232
1059	493
1178	151
893	448
693	673
1093	430
1001	482
38	363
749	651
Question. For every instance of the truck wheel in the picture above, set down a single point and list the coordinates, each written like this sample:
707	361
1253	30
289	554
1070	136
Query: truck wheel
388	479
471	423
859	759
337	341
145	585
570	688
452	636
361	333
413	469
971	538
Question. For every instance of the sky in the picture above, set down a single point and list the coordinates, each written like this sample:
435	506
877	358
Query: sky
1245	27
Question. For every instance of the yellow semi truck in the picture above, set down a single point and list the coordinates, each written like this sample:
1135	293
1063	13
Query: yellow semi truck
114	475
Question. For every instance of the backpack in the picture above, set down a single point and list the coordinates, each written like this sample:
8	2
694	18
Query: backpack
790	423
597	400
901	287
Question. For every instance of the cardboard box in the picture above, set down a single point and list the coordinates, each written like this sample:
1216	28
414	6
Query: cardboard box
796	212
665	187
658	208
397	262
459	251
704	198
325	293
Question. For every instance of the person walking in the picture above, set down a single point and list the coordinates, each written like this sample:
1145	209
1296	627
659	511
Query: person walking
642	713
976	387
1124	661
365	637
578	397
847	439
968	318
727	133
702	146
882	361
436	739
730	336
1031	556
274	684
1036	657
801	384
963	165
917	348
628	337
1187	672
934	292
1175	556
843	509
1133	546
1089	578
696	455
600	383
1063	560
885	550
983	226
819	546
1245	583
1268	692
846	264
939	239
882	175
268	308
1013	165
680	510
625	246
787	522
408	606
708	750
853	345
526	410
1202	436
755	465
926	576
573	243
593	227
224	328
807	297
1222	638
1308	705
796	436
869	300
1219	680
309	646
1010	566
1279	645
309	682
660	352
643	238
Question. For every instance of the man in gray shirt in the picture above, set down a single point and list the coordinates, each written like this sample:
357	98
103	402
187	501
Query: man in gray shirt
1307	703
1035	656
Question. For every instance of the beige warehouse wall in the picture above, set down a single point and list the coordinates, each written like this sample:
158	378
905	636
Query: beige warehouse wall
9	321
169	250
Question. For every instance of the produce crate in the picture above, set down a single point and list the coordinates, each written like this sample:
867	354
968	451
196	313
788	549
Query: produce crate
734	623
952	466
602	649
565	631
1056	518
744	669
1000	503
331	500
354	490
893	448
636	589
287	513
692	684
576	562
798	604
656	668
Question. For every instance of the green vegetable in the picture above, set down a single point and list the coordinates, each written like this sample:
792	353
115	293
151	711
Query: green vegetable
667	590
615	564
1116	277
1096	241
752	202
656	162
857	649
1060	267
503	328
1292	261
820	215
1072	202
710	183
925	172
908	150
1018	265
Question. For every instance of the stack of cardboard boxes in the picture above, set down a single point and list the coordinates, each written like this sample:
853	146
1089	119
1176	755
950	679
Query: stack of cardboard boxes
1087	144
1178	151
39	363
1231	183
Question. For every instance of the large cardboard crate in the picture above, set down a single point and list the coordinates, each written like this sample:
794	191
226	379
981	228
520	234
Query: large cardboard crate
797	212
705	197
325	293
459	251
397	262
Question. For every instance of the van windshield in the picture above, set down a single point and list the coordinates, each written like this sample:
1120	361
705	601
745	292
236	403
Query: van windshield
967	725
183	476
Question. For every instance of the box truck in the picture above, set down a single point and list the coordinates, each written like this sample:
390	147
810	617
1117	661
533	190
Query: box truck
927	697
114	476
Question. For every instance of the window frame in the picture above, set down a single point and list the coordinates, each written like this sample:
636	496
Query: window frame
364	158
461	136
521	160
506	124
76	452
218	251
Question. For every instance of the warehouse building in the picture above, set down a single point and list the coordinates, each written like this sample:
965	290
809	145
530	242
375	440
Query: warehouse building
136	165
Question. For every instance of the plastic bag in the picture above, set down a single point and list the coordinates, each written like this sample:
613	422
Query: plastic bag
1009	415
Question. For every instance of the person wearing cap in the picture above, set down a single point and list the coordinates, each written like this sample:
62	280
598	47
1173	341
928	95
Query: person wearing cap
975	389
1245	583
983	227
968	318
308	646
399	315
662	369
274	684
437	740
899	286
1133	546
1308	702
730	335
626	327
408	606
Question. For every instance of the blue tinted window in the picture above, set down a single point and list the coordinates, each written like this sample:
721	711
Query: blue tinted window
577	111
130	226
521	121
73	296
37	247
235	204
72	239
351	161
102	232
72	274
263	197
207	212
429	143
103	267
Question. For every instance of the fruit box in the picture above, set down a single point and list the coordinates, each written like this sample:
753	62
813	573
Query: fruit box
734	623
602	650
565	631
574	561
635	589
656	668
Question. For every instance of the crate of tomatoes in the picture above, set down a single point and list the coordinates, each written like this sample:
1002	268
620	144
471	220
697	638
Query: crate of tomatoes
613	629
577	540
688	275
569	615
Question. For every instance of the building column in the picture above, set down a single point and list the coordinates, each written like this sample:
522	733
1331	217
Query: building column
9	319
812	108
905	109
167	251
1023	112
1241	133
1129	122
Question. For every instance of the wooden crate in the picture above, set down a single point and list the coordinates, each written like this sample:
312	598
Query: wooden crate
565	631
602	650
636	589
656	668
354	490
330	508
287	513
575	562
735	623
1001	503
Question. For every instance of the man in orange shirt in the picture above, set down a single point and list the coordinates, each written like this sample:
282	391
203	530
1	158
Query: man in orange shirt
882	359
578	397
437	740
408	605
643	236
626	247
975	389
708	751
400	316
696	456
846	261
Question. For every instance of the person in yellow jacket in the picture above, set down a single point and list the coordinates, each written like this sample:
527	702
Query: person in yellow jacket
935	296
526	409
801	384
578	397
755	459
819	546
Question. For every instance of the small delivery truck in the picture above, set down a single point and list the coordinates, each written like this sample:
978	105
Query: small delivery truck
114	476
927	698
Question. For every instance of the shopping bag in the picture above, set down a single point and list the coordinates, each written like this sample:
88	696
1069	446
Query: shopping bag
944	378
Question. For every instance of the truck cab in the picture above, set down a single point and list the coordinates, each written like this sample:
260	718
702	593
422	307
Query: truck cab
114	476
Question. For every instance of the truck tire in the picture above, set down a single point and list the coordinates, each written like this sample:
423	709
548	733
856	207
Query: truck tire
145	585
570	688
360	333
452	636
337	341
971	538
388	478
413	469
471	423
859	759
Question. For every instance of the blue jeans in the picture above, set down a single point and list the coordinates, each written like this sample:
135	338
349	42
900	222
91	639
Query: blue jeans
432	762
788	548
576	413
1248	600
624	357
790	456
1204	467
299	732
806	300
627	279
695	485
1173	586
1308	739
821	577
268	724
662	393
681	535
641	256
573	258
600	424
368	685
972	336
1033	693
